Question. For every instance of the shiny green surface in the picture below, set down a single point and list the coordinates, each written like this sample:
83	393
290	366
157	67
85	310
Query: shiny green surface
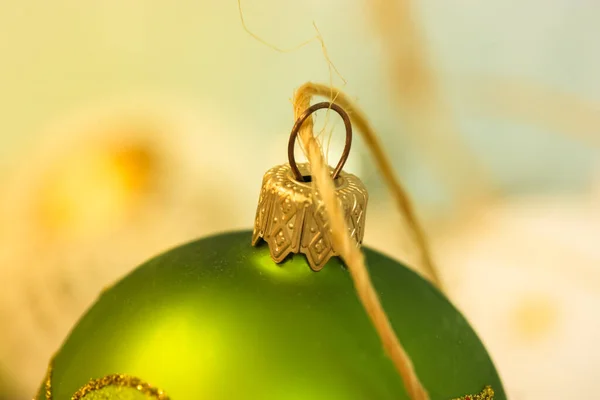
217	319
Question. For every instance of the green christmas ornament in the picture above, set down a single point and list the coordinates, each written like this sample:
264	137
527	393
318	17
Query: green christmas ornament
221	319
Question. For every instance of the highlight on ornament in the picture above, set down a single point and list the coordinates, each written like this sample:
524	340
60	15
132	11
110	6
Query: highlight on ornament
204	320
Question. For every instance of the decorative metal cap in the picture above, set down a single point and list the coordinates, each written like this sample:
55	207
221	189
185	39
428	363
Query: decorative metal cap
291	217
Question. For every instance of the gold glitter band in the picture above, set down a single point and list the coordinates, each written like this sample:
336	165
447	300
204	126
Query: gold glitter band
145	388
46	386
97	384
486	394
123	381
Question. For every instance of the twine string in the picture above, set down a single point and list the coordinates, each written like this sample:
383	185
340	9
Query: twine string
343	243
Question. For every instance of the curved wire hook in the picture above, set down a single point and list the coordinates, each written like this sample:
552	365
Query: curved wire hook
309	111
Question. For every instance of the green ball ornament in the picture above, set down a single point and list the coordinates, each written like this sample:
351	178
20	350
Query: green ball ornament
220	319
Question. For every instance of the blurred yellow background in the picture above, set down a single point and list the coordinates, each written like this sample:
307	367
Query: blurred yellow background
131	126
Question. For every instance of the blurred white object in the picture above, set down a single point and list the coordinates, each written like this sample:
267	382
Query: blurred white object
527	275
109	189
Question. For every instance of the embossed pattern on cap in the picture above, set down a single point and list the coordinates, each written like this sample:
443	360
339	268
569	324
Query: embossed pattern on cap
291	218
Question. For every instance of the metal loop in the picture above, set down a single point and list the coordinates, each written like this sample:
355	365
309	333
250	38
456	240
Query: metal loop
292	159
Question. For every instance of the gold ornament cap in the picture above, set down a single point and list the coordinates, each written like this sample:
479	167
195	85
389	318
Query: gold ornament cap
291	216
